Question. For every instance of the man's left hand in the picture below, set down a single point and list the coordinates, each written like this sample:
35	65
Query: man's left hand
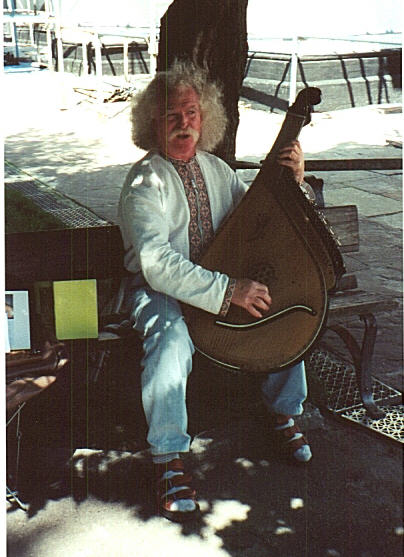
292	157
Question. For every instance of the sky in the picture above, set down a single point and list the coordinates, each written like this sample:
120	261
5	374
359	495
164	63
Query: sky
269	18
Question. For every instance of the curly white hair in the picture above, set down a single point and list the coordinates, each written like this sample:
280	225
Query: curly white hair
180	75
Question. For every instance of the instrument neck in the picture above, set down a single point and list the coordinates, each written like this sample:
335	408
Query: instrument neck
290	130
296	117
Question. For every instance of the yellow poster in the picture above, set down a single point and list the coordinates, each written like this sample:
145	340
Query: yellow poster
76	314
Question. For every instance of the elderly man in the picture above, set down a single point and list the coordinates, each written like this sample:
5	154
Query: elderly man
172	202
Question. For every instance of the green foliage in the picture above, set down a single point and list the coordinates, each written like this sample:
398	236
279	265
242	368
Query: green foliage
23	215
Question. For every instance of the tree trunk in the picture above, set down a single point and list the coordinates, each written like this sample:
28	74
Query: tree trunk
211	33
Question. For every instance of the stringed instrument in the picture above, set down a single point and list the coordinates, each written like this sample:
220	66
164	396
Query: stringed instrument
274	236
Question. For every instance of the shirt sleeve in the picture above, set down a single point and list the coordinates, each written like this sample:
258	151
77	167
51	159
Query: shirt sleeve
165	269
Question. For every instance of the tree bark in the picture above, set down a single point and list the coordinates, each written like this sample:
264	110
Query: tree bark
211	33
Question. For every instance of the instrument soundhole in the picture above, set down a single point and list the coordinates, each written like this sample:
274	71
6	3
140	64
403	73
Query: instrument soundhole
264	273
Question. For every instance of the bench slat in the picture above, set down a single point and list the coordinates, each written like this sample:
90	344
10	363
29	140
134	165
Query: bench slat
356	302
344	222
76	253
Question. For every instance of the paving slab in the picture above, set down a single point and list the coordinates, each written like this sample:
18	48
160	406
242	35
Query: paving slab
394	220
373	181
369	204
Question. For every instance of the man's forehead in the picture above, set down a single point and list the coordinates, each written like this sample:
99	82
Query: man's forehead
178	98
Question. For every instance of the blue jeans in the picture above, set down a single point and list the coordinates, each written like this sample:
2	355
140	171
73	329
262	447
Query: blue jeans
167	362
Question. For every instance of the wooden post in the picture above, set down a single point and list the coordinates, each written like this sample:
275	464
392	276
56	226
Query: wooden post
58	33
293	70
49	47
98	67
153	47
13	28
48	37
125	42
85	58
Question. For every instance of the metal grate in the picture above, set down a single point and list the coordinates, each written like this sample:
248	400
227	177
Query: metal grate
391	425
67	210
78	218
343	396
339	380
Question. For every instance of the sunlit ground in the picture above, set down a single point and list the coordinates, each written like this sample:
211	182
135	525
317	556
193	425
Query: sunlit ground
94	528
52	107
97	530
366	125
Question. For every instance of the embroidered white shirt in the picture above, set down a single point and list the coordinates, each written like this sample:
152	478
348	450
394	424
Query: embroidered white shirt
154	217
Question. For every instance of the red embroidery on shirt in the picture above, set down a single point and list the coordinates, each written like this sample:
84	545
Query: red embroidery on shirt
227	297
200	227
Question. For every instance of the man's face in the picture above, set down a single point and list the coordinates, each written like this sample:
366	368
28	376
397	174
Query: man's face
179	124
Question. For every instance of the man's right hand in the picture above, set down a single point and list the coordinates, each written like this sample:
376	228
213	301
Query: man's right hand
252	296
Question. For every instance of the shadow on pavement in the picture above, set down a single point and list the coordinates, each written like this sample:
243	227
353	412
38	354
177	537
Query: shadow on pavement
345	502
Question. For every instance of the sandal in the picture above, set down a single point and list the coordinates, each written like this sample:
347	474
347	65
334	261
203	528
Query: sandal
175	485
290	439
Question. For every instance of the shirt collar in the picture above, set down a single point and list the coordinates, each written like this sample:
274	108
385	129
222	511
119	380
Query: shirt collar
179	162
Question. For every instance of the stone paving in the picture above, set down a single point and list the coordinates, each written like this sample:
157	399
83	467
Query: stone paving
347	502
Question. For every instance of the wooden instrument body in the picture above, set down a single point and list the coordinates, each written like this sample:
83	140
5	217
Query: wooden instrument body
259	241
269	238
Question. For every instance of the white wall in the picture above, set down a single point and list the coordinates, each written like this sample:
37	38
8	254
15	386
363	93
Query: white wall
323	18
269	18
135	13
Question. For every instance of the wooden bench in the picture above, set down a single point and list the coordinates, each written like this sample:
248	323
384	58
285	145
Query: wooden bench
97	252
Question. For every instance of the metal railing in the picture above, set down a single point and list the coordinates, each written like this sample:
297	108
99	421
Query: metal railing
20	13
294	55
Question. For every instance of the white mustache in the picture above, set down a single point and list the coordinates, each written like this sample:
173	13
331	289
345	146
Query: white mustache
188	131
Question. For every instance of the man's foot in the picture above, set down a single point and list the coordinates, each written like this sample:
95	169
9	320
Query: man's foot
176	498
290	439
